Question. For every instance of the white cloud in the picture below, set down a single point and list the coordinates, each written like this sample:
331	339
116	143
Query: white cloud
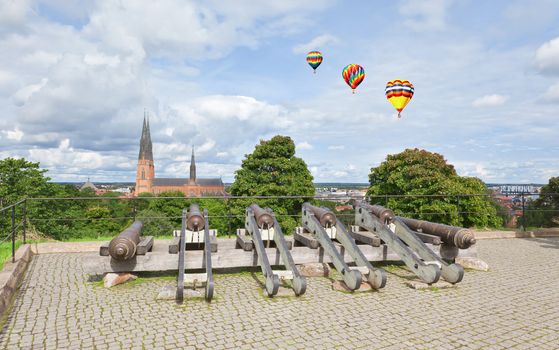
175	28
547	57
41	58
13	12
66	157
490	101
425	15
24	94
101	59
336	147
552	93
304	146
15	134
317	43
205	147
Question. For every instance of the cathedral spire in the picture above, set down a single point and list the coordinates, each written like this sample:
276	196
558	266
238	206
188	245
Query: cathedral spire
192	168
145	141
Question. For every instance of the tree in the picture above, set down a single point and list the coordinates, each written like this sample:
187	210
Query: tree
544	211
433	189
20	179
272	169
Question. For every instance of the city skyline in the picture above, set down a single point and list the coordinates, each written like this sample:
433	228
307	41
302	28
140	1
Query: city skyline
76	77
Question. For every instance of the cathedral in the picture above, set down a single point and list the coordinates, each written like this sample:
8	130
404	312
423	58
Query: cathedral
191	187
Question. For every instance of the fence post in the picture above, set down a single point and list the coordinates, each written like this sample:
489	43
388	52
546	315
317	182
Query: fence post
458	208
523	212
228	217
25	221
13	233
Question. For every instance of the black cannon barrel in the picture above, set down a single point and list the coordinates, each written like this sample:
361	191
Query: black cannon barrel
324	216
384	214
263	218
123	246
195	219
459	237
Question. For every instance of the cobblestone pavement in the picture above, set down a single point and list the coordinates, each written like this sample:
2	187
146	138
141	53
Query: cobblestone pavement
513	306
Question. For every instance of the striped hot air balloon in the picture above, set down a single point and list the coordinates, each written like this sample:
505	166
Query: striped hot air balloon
353	75
314	59
399	93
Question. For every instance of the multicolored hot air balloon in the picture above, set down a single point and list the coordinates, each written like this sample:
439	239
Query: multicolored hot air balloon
353	75
314	59
399	93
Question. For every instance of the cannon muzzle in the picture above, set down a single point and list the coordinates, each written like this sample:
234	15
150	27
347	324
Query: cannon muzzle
384	214
195	219
324	216
123	246
264	220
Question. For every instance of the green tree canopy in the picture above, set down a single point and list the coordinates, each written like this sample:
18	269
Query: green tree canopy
274	170
544	211
437	192
20	179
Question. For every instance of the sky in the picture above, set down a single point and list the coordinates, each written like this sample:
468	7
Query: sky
77	76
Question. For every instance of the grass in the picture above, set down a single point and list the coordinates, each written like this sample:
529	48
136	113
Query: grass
6	252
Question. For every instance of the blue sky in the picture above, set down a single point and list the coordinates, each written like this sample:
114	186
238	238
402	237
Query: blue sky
76	76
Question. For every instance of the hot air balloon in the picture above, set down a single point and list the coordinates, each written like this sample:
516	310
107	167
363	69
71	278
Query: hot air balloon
314	59
399	93
353	75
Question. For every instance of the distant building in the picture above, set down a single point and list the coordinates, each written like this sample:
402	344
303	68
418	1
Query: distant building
88	184
146	182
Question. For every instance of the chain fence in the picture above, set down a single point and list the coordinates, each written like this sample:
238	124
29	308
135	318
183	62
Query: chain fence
102	217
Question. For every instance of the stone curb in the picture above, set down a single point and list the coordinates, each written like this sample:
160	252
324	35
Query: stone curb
517	234
65	247
12	274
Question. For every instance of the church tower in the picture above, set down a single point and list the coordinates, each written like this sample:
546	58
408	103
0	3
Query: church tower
192	179
145	171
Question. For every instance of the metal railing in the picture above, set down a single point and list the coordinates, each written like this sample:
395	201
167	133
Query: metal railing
15	224
81	213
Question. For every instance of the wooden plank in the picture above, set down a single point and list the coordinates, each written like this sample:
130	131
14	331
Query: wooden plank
213	244
145	245
230	257
244	241
174	245
104	249
305	239
366	237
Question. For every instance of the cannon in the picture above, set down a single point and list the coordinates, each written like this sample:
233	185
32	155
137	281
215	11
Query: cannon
123	246
454	236
195	226
326	218
263	228
194	220
322	224
264	220
384	214
407	243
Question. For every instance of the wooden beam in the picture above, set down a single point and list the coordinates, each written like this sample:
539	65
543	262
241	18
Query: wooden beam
229	256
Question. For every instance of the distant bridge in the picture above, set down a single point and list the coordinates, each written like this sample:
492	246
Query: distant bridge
513	189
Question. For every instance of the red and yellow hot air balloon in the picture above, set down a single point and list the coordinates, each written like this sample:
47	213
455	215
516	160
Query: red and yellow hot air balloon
353	75
314	59
399	93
